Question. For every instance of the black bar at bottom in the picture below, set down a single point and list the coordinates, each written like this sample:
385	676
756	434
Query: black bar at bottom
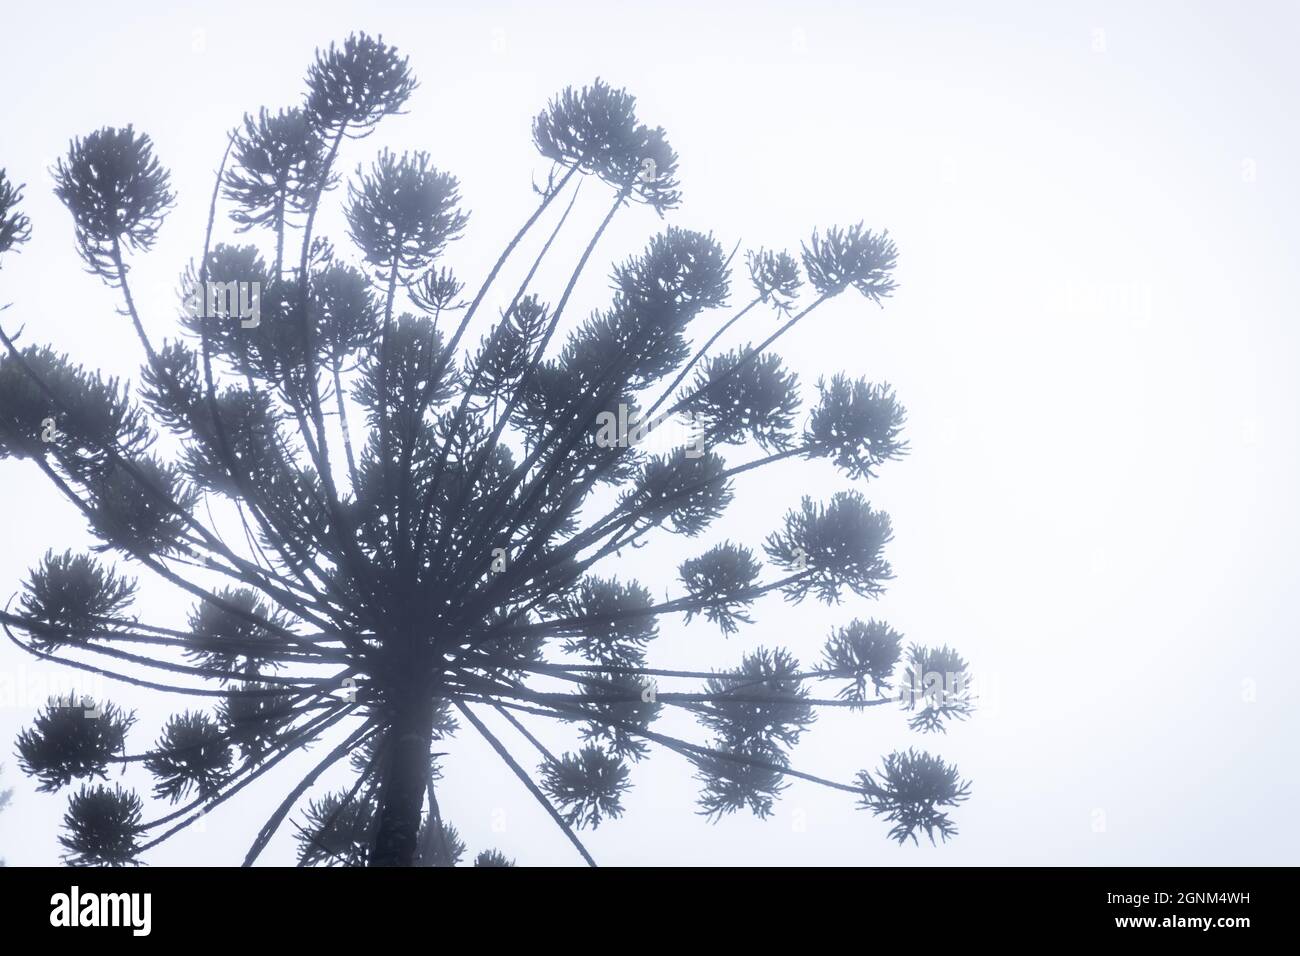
543	906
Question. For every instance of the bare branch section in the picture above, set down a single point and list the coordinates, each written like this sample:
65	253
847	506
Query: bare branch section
388	503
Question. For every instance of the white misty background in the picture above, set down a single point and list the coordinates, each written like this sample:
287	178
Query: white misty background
1095	337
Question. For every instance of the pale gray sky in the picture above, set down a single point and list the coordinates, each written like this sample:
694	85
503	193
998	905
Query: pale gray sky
1096	208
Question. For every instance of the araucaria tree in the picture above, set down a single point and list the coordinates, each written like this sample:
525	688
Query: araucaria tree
391	520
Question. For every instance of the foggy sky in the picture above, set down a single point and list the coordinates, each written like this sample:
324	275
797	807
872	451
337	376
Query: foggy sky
1094	335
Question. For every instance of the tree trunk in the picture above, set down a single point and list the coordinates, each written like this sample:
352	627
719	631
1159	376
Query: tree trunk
405	777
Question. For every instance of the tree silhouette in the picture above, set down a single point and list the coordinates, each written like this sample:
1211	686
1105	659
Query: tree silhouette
388	531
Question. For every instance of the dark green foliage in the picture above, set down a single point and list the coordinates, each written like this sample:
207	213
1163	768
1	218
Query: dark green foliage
249	434
279	159
74	594
172	387
641	337
758	712
118	194
255	717
862	653
775	276
596	130
404	212
681	269
387	519
854	257
858	424
357	85
733	778
192	754
140	506
436	290
681	489
741	397
345	313
72	740
587	787
621	706
937	678
612	621
416	353
832	547
722	579
503	356
759	704
909	791
15	227
226	633
101	827
48	406
335	832
445	848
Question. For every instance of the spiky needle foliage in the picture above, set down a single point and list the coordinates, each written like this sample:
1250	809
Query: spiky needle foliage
387	532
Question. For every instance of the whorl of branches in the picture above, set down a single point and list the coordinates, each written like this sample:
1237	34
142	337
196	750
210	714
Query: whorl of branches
382	529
